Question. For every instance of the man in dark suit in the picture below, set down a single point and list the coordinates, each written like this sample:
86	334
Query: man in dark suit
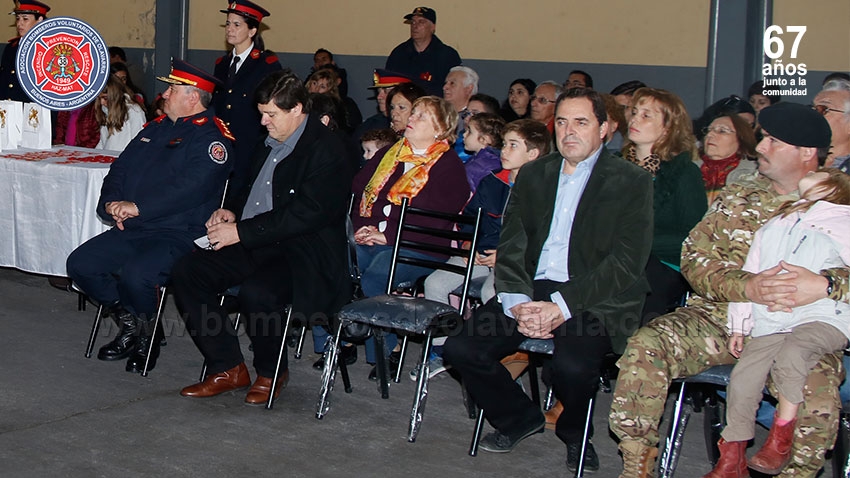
281	237
569	266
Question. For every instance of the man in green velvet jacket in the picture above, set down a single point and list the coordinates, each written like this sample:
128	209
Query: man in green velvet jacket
569	267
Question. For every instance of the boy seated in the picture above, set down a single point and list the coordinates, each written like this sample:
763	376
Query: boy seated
524	141
483	138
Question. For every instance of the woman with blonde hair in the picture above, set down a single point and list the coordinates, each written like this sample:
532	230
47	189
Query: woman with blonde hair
119	116
660	140
421	166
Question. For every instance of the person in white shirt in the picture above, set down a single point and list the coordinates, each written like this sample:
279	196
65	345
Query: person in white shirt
120	118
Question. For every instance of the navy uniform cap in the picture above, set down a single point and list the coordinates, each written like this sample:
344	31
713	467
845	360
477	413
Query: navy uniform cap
386	78
30	6
424	12
247	9
796	124
183	73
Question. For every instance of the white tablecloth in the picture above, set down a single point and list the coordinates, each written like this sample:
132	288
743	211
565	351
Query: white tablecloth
47	205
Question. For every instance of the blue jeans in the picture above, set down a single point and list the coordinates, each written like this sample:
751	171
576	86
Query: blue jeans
374	263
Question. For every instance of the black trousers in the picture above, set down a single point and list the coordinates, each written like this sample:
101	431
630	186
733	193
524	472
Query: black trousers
580	346
668	287
265	280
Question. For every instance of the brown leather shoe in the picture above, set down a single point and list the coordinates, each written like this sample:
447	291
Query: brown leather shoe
553	414
259	393
516	363
215	384
732	462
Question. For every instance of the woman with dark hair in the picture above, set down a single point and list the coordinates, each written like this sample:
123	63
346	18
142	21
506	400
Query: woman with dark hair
400	103
661	142
758	100
517	105
732	104
119	70
423	167
240	71
727	153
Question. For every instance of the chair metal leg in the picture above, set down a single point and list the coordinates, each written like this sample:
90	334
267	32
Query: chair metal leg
383	379
549	402
81	302
712	426
476	435
585	439
403	352
328	374
94	329
156	324
418	408
840	458
274	384
533	381
673	445
300	342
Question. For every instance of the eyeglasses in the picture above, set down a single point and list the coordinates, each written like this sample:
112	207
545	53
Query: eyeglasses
542	100
823	109
717	130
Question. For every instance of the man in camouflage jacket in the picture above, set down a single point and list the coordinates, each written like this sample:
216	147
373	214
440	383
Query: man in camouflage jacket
693	338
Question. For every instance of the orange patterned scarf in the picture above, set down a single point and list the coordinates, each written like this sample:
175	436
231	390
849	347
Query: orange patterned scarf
410	182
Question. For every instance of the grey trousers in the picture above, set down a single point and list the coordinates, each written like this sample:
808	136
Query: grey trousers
787	359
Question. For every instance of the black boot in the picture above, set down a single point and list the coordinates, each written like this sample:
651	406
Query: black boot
136	362
125	342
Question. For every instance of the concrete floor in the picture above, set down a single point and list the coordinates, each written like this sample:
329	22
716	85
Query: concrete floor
64	415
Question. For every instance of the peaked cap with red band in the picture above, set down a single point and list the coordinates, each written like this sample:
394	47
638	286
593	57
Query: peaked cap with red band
183	73
247	9
30	6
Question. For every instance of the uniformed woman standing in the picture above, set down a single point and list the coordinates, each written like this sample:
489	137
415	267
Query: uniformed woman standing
240	71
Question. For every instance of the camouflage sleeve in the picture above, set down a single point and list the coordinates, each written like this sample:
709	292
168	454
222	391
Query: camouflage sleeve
841	283
714	252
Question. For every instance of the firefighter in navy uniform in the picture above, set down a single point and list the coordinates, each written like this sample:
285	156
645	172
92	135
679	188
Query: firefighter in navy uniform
158	193
27	14
240	71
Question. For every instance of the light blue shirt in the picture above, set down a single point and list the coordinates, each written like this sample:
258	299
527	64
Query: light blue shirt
553	264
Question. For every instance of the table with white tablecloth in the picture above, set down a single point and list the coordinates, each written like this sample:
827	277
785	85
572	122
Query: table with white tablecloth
47	205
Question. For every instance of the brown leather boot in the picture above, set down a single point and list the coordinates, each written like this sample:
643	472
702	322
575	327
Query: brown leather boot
776	451
638	459
516	363
732	462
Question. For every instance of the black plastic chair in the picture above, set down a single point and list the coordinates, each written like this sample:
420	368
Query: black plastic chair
414	315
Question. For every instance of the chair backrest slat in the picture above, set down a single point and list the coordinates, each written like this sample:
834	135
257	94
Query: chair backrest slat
416	243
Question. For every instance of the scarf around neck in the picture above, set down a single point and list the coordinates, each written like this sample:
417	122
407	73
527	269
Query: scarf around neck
410	182
715	172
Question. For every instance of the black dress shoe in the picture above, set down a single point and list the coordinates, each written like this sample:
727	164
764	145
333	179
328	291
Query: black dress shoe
497	442
393	362
125	342
319	364
591	460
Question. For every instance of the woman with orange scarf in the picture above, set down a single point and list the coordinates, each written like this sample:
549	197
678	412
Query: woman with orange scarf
422	167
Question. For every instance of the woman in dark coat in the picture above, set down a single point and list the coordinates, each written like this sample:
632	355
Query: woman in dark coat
240	71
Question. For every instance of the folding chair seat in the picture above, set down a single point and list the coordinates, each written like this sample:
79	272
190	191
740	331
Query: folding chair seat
413	315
